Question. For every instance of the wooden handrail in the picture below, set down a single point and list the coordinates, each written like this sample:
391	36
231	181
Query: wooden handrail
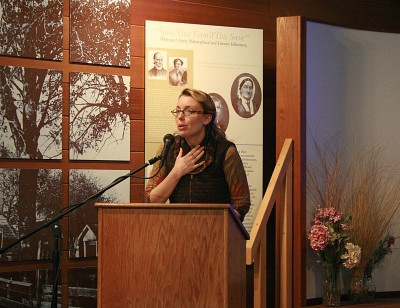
280	182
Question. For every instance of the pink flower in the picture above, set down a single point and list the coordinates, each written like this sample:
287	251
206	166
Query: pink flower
329	214
319	237
345	227
329	234
391	241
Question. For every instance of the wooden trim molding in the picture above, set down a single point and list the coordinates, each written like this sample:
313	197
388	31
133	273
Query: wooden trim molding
290	123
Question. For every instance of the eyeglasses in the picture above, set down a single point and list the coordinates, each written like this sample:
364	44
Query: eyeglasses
186	112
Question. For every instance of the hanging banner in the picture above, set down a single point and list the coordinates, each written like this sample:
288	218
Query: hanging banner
225	62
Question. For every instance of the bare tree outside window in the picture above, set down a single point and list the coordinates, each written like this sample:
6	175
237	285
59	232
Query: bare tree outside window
100	32
83	225
99	117
28	198
30	113
31	29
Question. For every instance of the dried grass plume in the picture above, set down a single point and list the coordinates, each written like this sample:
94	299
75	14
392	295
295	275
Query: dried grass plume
373	200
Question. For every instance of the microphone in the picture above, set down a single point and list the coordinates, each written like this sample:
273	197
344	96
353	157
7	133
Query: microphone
168	141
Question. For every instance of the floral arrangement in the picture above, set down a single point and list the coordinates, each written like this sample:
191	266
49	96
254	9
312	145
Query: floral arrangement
329	236
365	187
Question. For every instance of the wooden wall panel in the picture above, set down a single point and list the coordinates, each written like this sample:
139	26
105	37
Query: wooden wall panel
361	14
137	104
269	55
137	193
65	132
138	159
137	72
177	11
65	33
263	6
24	62
290	95
137	136
137	41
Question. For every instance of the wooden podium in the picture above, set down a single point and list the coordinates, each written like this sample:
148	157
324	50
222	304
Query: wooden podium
164	255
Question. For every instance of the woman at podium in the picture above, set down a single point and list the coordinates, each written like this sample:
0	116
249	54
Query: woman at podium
201	166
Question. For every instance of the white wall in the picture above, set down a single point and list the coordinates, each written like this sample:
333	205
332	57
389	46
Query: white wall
353	92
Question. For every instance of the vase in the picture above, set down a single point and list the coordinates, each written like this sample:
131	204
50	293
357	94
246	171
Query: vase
359	288
331	291
369	283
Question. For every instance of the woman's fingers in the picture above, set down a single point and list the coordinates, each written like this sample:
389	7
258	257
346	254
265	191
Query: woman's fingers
198	165
189	162
196	153
180	153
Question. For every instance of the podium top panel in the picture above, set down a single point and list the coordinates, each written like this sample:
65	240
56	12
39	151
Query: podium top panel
164	205
175	206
